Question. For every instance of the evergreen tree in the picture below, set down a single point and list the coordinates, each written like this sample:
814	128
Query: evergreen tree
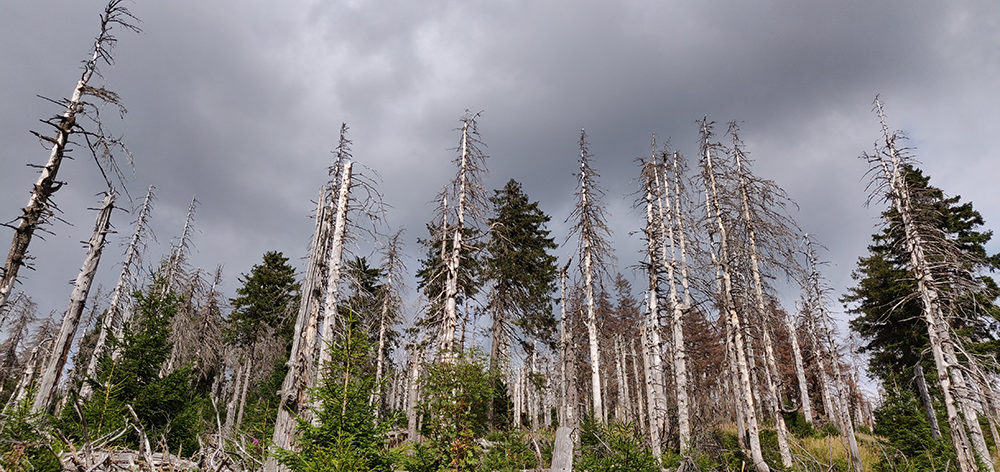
522	270
168	406
888	313
267	298
347	436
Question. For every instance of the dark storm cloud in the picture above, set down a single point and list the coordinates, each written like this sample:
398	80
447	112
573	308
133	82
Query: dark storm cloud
239	103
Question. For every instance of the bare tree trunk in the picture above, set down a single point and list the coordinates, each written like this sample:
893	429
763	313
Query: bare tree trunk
23	388
413	394
731	315
925	398
38	208
772	368
937	328
842	403
800	371
77	300
640	406
567	409
333	279
116	318
651	338
389	290
679	354
447	341
244	389
292	396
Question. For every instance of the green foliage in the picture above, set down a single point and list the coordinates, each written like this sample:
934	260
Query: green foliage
614	447
509	453
265	301
901	421
347	437
25	445
168	407
888	315
521	266
457	393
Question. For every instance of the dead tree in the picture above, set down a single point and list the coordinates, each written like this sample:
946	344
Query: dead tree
469	193
728	303
656	397
118	314
590	225
388	313
567	372
921	242
672	228
83	105
60	350
750	222
828	349
292	397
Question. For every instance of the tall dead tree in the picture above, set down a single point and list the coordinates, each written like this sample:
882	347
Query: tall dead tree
590	225
744	387
921	242
71	320
656	397
567	371
331	297
750	222
82	106
672	227
828	349
469	193
118	313
388	311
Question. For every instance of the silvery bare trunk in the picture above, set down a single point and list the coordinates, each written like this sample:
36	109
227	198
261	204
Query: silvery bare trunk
81	288
654	372
292	396
117	316
762	312
447	342
937	328
925	399
800	371
333	265
730	313
38	207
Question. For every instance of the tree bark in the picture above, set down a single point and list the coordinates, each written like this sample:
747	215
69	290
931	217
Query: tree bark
731	315
925	399
77	300
116	318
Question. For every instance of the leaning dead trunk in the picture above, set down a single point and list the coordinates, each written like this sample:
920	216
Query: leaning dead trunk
654	372
116	318
330	299
728	304
292	396
800	371
38	208
772	368
950	376
71	321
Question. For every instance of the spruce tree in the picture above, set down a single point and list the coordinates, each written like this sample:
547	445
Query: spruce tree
522	270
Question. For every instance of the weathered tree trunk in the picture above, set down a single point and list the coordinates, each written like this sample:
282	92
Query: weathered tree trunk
447	341
331	299
654	371
772	368
413	394
800	370
925	399
731	316
20	393
842	402
244	389
77	300
677	325
639	392
292	396
38	207
389	290
116	318
567	408
937	327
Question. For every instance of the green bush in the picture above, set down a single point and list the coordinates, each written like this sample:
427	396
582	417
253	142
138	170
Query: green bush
614	447
347	437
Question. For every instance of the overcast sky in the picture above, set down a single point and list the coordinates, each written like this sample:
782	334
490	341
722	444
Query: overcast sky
239	103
